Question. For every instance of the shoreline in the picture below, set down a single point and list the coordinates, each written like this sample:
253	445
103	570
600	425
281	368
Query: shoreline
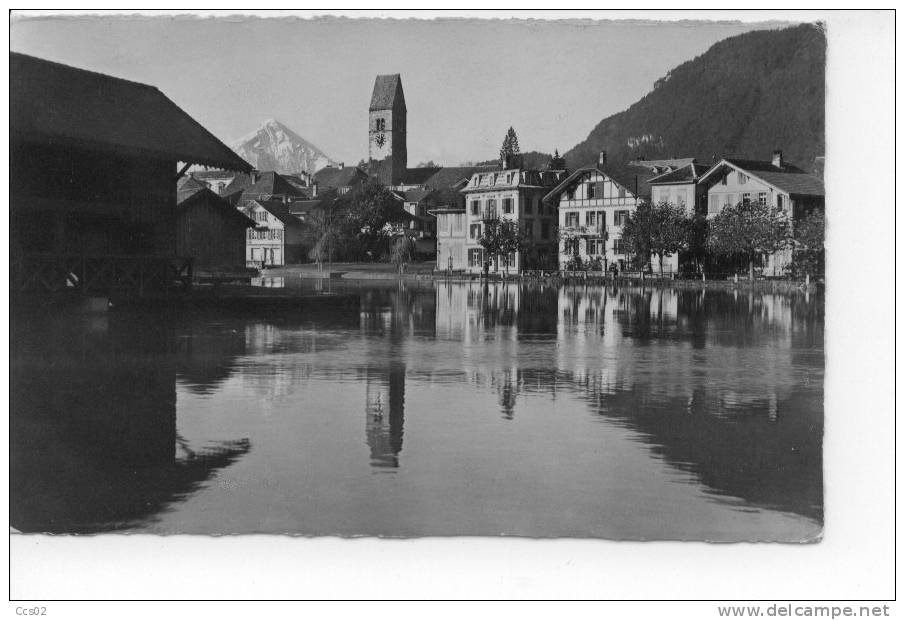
344	273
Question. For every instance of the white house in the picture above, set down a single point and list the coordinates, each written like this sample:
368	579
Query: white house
774	183
592	209
513	195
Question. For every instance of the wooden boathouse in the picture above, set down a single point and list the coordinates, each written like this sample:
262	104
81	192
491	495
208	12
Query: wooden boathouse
94	165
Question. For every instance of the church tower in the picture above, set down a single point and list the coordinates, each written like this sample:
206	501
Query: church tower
387	153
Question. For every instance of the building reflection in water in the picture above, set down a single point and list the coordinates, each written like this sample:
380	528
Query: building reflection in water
385	414
390	317
93	438
732	391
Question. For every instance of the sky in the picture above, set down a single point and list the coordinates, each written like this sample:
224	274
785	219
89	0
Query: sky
465	81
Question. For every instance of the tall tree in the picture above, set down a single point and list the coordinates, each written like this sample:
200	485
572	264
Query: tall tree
500	238
660	229
510	148
372	212
809	237
748	230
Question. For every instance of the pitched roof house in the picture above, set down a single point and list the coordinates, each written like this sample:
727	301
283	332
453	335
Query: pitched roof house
92	165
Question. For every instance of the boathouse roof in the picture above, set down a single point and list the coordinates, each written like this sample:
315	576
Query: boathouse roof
49	101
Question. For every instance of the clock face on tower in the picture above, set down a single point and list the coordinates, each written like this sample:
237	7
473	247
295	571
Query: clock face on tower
380	139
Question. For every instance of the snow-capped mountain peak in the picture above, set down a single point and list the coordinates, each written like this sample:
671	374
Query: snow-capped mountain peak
273	146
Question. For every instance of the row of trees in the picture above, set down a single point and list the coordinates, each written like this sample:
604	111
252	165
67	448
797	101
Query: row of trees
745	231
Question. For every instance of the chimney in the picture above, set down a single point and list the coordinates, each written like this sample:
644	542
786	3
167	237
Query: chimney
314	190
254	176
777	158
601	159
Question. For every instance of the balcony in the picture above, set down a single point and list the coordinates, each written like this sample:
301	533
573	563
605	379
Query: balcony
572	230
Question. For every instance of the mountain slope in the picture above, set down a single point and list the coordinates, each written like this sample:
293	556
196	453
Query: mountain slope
273	146
744	97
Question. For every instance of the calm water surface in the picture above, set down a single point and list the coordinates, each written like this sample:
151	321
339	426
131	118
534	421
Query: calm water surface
428	409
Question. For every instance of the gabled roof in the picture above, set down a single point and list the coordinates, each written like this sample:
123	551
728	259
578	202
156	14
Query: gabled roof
576	176
418	176
51	102
339	177
788	178
187	186
686	174
387	93
279	210
205	195
417	195
445	178
271	184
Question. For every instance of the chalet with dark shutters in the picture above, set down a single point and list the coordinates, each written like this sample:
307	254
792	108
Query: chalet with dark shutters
94	161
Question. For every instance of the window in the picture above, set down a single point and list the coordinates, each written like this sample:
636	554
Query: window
618	246
622	192
570	194
762	199
589	218
457	223
591	188
620	217
475	257
509	179
545	230
507	205
491	208
596	246
529	206
742	178
746	198
475	207
779	202
724	179
730	199
529	229
474	231
572	219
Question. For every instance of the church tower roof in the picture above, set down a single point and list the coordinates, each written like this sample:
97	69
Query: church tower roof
387	93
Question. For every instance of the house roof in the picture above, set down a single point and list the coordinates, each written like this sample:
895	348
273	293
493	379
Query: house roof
622	178
280	211
271	184
387	92
686	174
339	177
445	178
417	195
191	198
187	186
788	178
56	102
418	176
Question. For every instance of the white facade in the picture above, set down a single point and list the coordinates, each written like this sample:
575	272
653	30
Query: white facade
513	196
264	244
592	210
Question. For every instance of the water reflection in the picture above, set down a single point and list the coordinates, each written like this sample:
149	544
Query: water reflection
496	408
93	439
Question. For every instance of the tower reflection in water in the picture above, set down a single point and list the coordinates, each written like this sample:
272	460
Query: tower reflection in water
93	436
